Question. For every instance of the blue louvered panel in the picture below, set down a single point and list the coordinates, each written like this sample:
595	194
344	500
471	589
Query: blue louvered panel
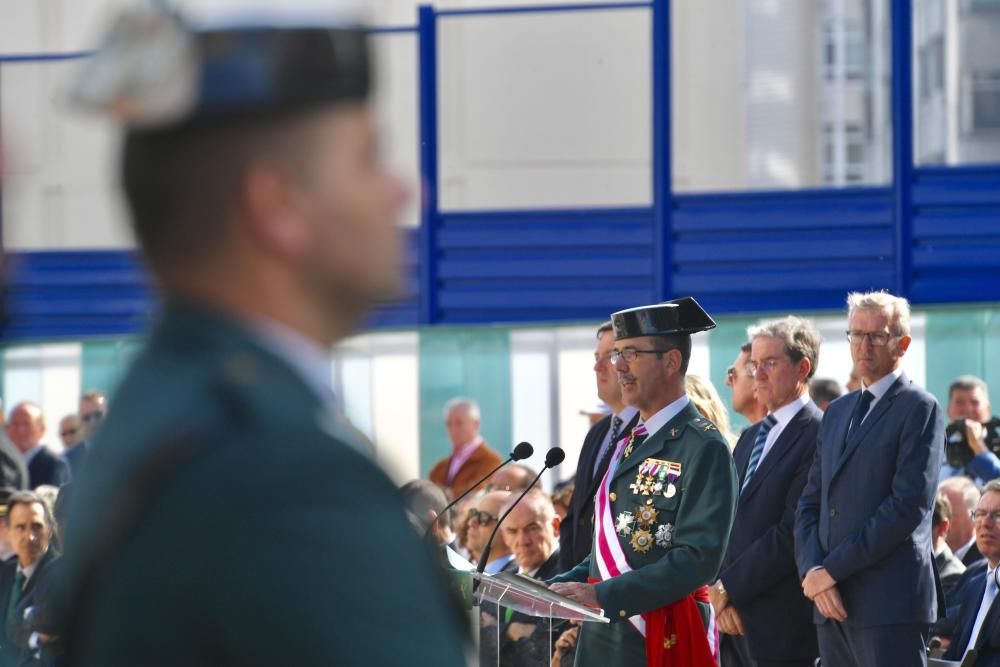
403	312
79	294
542	266
782	251
956	234
74	294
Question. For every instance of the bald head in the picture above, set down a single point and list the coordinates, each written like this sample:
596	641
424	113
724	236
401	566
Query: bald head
26	426
531	530
963	495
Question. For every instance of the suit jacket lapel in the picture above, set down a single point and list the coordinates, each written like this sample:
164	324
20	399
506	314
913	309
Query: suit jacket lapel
874	415
595	454
788	436
670	431
741	455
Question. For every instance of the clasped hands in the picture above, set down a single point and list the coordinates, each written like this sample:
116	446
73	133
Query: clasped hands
820	587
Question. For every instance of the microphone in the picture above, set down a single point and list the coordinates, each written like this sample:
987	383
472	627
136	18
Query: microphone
553	457
523	450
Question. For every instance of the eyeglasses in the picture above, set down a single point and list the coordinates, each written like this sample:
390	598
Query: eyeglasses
768	365
94	416
980	515
630	354
731	374
481	517
876	338
69	432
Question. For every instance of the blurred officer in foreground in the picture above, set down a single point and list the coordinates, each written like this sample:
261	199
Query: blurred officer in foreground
226	515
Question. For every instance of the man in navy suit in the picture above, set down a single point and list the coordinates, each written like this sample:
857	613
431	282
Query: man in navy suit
863	524
757	599
979	619
577	534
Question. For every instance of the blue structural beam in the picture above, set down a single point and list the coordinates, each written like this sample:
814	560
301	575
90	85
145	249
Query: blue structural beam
427	56
662	149
902	138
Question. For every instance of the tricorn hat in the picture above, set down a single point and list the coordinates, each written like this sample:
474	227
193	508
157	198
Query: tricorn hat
157	71
679	316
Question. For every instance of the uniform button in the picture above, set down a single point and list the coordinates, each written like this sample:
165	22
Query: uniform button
622	613
833	511
613	496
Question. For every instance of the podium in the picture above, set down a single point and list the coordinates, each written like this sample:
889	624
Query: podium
521	616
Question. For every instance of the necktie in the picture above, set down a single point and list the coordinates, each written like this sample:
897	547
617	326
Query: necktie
988	596
602	463
15	593
635	439
758	448
860	411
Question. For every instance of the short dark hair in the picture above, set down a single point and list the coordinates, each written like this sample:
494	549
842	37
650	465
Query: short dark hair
746	347
824	390
420	497
942	510
180	183
679	342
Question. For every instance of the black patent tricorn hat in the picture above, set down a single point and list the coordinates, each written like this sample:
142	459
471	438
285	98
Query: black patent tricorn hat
679	316
157	71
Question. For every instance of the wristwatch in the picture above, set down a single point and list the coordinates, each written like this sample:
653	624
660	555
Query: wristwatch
720	588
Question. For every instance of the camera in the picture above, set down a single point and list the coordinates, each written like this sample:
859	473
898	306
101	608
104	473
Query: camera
956	442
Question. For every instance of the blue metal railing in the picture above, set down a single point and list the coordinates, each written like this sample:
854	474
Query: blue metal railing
932	234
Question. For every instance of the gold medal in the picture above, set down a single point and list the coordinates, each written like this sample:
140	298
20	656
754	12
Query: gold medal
646	515
642	541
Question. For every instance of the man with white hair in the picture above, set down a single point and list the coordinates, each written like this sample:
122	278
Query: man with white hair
471	458
863	524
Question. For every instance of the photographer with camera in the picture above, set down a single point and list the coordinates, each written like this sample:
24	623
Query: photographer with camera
972	439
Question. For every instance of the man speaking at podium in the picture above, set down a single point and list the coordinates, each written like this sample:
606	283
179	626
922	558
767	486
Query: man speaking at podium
664	509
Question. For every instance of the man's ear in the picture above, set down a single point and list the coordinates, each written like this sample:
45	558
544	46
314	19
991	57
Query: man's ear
556	521
273	208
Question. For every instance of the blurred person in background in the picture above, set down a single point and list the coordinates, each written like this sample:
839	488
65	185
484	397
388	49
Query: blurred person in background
824	391
739	381
471	458
92	411
26	428
70	431
963	495
704	396
973	433
949	567
13	471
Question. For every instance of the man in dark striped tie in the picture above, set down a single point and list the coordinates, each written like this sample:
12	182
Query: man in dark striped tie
758	597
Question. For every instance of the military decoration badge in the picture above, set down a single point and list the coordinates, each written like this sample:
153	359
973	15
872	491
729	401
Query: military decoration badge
642	530
655	477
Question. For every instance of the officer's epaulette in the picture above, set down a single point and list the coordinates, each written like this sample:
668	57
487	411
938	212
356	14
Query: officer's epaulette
702	425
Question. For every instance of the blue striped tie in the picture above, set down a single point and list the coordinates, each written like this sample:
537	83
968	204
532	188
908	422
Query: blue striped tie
758	448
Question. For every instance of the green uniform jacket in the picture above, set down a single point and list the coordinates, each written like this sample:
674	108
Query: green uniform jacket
673	549
224	517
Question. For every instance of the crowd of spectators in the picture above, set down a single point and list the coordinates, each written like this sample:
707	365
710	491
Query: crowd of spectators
34	496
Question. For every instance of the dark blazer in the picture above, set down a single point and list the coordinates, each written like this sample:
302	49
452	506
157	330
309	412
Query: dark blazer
865	512
530	650
988	641
16	629
949	568
576	532
759	571
216	433
47	468
75	456
972	556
